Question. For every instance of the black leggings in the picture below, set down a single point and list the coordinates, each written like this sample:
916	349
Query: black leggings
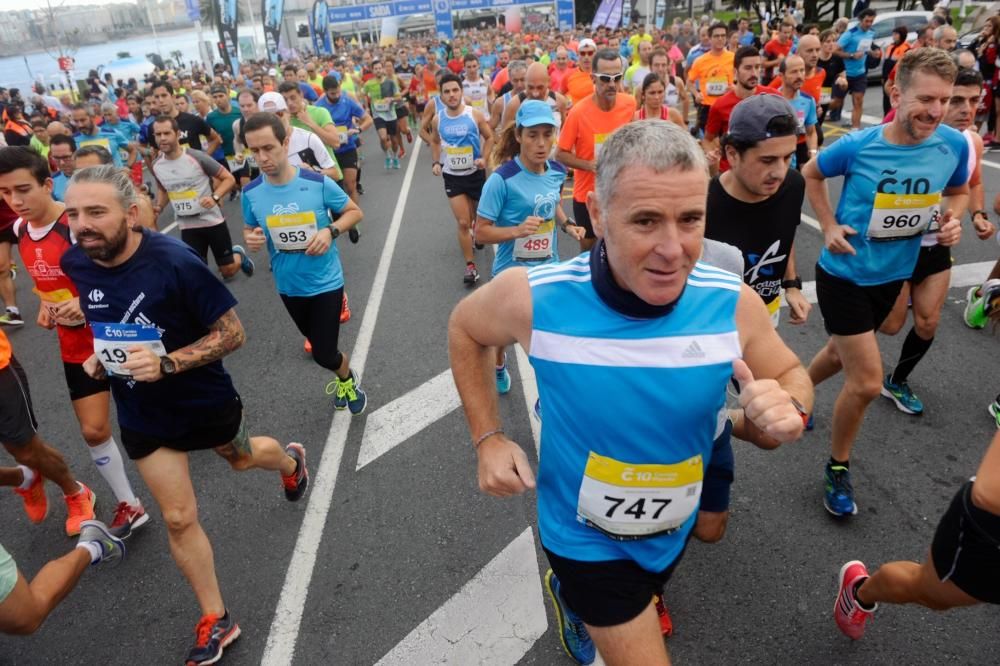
318	318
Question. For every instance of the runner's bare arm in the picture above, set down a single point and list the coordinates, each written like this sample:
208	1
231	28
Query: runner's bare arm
214	141
834	234
777	376
953	207
225	336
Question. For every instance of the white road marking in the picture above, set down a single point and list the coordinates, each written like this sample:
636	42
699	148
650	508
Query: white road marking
170	227
280	647
394	423
494	619
812	222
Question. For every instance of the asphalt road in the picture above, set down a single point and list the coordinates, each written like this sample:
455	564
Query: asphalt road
389	534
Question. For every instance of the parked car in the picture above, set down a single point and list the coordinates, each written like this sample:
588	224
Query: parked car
883	26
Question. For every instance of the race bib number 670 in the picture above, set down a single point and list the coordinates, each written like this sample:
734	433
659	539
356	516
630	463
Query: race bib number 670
112	342
627	501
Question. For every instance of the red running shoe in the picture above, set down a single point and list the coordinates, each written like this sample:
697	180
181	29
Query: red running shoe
847	610
345	310
307	346
666	624
36	504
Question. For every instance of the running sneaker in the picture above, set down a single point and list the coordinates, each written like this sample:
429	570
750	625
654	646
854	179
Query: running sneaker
388	163
402	152
572	632
307	346
112	548
296	483
13	271
361	190
345	310
847	610
903	396
839	496
212	635
666	624
354	233
975	311
471	274
503	380
348	393
11	318
994	410
79	507
36	503
127	518
246	263
395	163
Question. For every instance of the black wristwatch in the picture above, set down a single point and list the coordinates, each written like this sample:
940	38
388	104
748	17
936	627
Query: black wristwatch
570	222
980	212
167	365
440	164
794	283
334	232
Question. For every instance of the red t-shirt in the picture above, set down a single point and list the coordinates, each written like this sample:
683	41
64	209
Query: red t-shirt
718	118
773	49
41	258
7	216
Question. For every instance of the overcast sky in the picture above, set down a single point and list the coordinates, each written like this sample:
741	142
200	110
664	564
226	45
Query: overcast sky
35	4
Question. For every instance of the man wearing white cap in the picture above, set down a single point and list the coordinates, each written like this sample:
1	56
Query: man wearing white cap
305	149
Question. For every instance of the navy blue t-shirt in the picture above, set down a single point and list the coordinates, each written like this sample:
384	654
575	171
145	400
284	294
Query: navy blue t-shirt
164	284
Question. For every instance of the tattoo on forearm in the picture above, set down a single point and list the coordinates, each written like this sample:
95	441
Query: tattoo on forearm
225	335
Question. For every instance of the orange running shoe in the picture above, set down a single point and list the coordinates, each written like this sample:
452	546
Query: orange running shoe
36	504
79	507
345	310
666	624
307	346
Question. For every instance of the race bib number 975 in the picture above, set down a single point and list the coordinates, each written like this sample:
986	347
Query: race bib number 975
627	501
902	216
112	342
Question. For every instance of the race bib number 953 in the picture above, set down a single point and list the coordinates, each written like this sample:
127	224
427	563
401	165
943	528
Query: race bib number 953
627	501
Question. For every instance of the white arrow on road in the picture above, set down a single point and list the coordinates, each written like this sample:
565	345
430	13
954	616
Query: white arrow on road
404	417
494	619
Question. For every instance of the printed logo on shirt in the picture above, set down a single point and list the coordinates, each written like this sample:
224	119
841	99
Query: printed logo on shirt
96	295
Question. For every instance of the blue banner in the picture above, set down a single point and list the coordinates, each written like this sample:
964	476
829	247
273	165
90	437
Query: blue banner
442	17
441	9
272	12
565	14
193	8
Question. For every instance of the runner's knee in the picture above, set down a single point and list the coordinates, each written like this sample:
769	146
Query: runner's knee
95	434
180	518
926	324
710	527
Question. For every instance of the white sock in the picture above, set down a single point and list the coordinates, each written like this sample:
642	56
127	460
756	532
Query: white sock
14	310
29	477
109	463
93	549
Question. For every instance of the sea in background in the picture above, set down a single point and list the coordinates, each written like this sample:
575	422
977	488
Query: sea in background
22	71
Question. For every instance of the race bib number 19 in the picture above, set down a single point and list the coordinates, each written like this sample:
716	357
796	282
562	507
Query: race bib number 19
628	502
902	216
112	341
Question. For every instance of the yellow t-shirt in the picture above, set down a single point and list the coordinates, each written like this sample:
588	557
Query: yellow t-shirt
714	75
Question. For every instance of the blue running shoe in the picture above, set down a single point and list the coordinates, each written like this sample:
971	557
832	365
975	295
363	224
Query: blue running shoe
348	394
395	162
503	378
572	632
902	395
246	263
839	496
213	635
388	163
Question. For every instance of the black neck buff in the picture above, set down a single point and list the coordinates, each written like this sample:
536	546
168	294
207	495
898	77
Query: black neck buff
621	301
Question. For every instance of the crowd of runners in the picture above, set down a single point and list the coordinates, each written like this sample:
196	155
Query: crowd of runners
688	153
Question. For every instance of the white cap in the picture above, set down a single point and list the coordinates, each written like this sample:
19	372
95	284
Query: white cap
272	72
272	102
584	43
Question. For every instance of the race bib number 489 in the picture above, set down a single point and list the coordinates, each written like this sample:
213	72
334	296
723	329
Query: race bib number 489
112	342
902	216
627	501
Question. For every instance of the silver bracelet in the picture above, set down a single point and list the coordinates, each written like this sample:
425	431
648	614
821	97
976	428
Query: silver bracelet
484	437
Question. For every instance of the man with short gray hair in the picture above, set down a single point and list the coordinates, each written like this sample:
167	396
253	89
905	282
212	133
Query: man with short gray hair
619	493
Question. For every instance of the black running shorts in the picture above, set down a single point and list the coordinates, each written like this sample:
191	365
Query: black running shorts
966	548
348	159
931	260
582	217
216	238
17	418
225	425
82	385
390	126
471	184
720	473
850	309
609	592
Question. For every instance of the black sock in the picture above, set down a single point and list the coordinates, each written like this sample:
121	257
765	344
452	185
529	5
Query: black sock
914	348
846	464
854	593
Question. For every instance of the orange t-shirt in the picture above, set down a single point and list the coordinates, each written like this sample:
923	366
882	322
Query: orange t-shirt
714	73
585	130
579	85
4	351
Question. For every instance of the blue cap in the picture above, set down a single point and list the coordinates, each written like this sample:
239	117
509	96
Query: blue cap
532	112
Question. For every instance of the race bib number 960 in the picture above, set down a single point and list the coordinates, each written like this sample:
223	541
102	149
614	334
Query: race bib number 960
628	501
902	216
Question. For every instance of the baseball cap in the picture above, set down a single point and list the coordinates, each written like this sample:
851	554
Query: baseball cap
533	112
584	43
223	90
272	102
750	118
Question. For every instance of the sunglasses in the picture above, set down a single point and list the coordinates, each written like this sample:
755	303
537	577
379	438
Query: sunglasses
587	53
610	78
